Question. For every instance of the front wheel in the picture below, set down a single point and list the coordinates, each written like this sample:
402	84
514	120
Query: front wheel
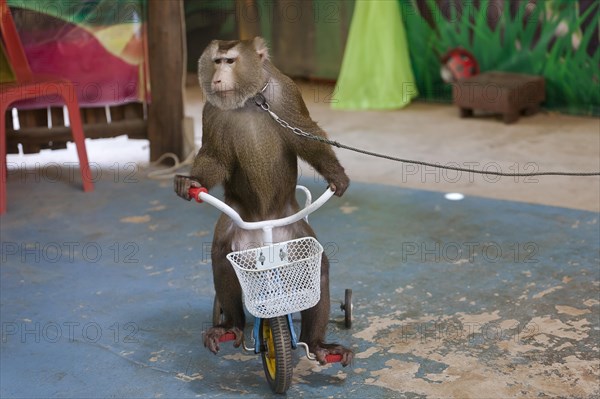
276	352
348	308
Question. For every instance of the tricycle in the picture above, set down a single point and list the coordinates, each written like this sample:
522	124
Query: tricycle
277	280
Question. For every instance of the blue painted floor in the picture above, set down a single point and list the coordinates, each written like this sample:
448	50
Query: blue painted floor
107	294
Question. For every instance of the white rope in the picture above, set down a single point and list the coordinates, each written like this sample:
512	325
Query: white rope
169	172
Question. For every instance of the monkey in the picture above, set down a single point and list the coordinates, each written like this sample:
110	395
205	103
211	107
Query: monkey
255	159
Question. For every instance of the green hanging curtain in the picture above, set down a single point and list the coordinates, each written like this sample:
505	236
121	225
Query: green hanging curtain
376	71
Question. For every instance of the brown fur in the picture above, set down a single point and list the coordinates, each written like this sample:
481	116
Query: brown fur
255	160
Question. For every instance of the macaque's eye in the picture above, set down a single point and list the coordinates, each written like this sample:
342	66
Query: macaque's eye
218	61
230	60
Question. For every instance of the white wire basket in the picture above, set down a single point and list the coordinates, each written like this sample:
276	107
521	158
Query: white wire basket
281	278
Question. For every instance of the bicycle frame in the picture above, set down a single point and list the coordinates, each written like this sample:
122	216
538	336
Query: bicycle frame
200	194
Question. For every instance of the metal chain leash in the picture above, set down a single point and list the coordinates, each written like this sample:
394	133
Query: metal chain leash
261	101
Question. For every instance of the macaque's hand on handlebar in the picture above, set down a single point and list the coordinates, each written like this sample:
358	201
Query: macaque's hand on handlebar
182	185
340	184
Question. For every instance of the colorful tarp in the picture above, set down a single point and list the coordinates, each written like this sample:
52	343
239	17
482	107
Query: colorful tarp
100	45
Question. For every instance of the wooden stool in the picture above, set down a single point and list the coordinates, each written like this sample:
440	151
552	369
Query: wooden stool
509	94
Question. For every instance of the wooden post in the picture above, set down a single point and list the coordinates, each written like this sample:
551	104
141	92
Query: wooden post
247	17
294	28
166	47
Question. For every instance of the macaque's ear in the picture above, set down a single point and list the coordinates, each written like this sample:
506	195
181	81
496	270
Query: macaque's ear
261	48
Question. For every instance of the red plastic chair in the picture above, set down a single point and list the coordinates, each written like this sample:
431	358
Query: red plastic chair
29	85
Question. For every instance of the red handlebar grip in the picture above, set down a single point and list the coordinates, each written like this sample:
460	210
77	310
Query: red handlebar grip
333	358
194	192
228	336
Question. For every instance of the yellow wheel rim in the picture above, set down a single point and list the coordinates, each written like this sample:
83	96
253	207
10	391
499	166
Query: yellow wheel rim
270	344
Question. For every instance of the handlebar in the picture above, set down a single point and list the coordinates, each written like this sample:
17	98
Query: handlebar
194	192
200	194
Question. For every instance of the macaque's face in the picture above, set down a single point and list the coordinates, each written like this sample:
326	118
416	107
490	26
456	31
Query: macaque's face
231	72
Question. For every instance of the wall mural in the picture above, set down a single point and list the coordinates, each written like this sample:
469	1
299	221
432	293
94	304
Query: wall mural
557	39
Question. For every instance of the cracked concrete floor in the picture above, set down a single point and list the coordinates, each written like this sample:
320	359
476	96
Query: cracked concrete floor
107	295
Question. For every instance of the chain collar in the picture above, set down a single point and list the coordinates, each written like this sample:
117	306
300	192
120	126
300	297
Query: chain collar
260	99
